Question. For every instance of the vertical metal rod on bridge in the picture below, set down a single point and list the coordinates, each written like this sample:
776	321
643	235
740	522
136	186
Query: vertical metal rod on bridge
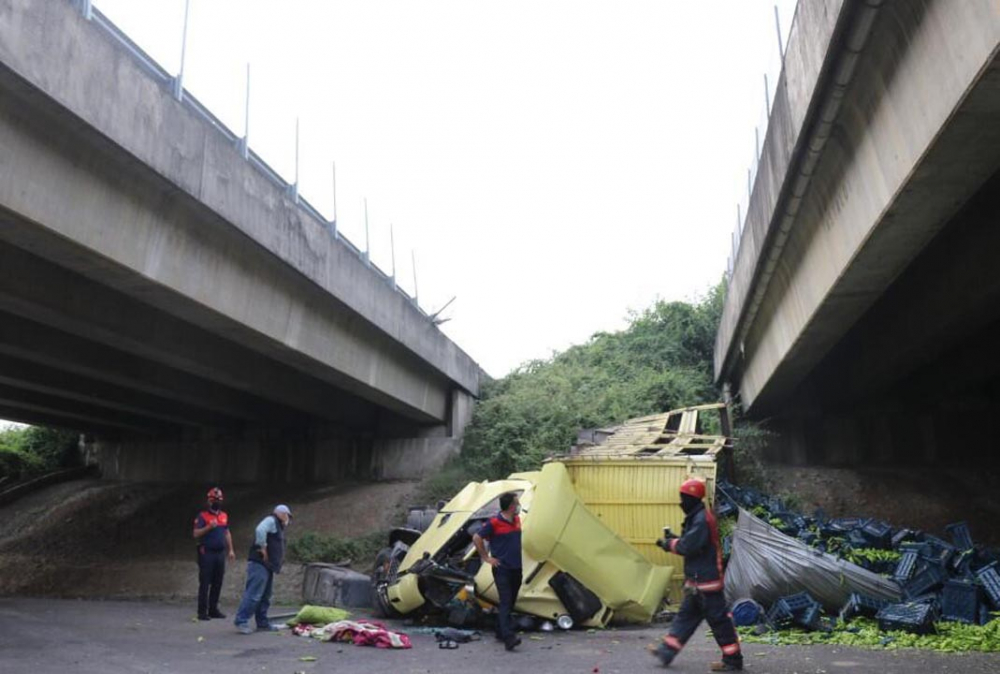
767	96
777	24
245	143
368	257
179	80
333	224
295	186
86	9
413	261
392	247
749	189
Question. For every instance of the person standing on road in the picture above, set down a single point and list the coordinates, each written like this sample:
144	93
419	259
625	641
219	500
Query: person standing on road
215	543
504	534
699	545
266	555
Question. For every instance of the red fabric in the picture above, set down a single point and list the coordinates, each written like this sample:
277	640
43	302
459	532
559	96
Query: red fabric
713	533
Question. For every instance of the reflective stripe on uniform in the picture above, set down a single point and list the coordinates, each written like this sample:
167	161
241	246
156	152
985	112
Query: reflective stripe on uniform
731	649
673	642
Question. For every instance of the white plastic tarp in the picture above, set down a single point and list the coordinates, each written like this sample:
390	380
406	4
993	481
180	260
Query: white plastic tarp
765	564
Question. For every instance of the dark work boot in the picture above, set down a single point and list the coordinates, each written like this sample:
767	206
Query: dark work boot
728	665
663	653
512	643
216	613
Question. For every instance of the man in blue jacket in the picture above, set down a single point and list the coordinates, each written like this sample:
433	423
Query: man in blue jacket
215	543
266	555
699	545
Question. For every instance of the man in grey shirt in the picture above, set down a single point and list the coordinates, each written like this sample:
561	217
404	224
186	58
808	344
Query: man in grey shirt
266	555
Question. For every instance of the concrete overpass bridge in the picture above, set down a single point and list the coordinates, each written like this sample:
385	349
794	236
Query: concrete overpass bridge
173	299
863	309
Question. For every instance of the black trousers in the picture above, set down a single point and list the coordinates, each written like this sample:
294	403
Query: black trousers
211	571
710	606
508	583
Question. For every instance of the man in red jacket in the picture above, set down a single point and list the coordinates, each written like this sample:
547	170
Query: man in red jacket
215	543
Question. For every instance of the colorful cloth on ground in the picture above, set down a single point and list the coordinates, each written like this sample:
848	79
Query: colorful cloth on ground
362	633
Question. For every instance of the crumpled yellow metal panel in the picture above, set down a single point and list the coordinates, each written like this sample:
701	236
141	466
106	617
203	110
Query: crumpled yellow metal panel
564	532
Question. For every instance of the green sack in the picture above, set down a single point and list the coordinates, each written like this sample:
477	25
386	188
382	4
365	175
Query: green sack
319	615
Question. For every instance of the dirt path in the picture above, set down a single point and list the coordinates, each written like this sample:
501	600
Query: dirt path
92	538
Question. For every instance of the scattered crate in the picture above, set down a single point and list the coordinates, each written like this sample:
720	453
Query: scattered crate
901	536
914	618
960	535
878	534
778	616
905	567
929	577
861	605
960	601
990	579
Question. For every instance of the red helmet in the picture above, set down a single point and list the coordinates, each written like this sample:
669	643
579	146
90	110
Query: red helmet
215	494
694	488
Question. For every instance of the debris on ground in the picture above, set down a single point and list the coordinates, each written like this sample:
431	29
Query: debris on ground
942	591
358	632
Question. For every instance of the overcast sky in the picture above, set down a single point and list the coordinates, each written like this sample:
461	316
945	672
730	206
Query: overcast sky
552	164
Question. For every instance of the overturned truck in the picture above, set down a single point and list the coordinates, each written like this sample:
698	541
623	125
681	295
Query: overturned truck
588	557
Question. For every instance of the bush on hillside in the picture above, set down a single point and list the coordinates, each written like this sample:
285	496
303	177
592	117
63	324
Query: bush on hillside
33	450
661	361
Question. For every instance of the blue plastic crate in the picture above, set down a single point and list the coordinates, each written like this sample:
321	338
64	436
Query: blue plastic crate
901	536
990	580
960	535
797	603
861	605
878	534
808	537
857	539
915	618
960	601
961	565
905	567
725	508
811	618
845	524
779	616
928	577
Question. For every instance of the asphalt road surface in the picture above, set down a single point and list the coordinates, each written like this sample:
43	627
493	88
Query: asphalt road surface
38	636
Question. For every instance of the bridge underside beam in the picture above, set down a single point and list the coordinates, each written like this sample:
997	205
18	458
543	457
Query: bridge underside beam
915	140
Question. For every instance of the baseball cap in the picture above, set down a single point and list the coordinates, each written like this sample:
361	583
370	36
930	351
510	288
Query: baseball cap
283	509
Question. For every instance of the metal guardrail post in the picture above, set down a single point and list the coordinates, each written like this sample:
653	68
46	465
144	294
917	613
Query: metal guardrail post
179	80
245	142
86	9
333	223
367	255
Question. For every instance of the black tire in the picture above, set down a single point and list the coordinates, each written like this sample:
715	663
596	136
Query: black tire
382	576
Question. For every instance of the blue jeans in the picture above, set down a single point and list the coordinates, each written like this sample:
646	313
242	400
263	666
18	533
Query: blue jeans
256	596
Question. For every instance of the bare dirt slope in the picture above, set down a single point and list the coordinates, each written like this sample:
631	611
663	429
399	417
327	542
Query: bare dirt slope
926	498
93	538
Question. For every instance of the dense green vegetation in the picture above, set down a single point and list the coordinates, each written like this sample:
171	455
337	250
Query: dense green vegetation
32	450
661	361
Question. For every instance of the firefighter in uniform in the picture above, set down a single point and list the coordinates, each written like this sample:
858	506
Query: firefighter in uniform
215	543
699	545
